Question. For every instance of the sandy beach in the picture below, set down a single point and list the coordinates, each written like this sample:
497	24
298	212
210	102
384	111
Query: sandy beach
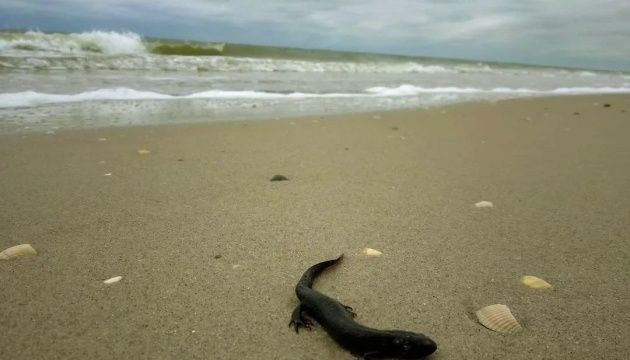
210	250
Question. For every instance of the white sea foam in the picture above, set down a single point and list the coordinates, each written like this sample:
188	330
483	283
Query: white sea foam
409	90
32	98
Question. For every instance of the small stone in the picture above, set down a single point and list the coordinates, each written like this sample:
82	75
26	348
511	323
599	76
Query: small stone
180	159
607	105
218	256
576	113
279	178
394	128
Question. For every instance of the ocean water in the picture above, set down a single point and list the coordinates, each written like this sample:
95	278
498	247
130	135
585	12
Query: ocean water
66	81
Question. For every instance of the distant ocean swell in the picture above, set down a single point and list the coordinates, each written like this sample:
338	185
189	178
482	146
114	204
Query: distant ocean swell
32	98
96	50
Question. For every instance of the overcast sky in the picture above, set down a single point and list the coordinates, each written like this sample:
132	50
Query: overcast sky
580	33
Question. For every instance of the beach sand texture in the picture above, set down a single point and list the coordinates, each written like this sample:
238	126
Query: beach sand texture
210	250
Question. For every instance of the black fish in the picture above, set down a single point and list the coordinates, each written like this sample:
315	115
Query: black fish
337	320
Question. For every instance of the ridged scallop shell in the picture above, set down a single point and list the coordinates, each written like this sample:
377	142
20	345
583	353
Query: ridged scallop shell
17	251
535	282
498	318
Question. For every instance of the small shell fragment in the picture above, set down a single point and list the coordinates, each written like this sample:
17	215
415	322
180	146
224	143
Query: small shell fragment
372	252
17	251
498	318
115	279
144	151
484	204
535	282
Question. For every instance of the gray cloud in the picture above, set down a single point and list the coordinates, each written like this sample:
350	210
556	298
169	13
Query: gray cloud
571	32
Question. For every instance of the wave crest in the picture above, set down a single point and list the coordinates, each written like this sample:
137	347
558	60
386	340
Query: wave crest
93	42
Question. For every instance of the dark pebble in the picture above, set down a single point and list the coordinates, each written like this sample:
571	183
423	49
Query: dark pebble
217	256
394	128
279	178
180	159
346	149
606	105
576	113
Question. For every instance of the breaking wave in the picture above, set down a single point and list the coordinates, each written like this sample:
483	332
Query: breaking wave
95	50
87	43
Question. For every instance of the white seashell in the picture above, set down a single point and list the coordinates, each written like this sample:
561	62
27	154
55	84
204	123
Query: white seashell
372	252
484	204
108	174
498	318
535	282
115	279
17	251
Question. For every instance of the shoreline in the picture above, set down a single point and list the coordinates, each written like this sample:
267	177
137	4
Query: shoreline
210	250
331	115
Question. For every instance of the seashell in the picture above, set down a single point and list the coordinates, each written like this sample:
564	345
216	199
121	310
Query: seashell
498	318
535	282
484	204
372	252
144	152
17	251
115	279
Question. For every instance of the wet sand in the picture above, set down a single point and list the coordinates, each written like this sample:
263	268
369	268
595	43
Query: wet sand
210	249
